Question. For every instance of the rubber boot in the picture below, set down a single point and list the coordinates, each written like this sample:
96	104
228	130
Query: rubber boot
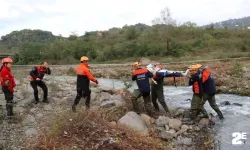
73	107
221	117
8	109
45	100
11	110
36	101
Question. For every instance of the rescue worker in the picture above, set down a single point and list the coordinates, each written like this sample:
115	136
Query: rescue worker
8	84
196	81
37	74
209	91
141	76
83	79
157	88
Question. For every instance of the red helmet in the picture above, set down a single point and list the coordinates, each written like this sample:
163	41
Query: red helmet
7	60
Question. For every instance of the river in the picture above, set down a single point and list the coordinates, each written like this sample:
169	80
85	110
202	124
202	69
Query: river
237	118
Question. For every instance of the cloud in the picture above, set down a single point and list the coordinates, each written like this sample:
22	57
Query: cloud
64	16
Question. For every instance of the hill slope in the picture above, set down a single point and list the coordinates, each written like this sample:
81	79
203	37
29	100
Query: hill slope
240	23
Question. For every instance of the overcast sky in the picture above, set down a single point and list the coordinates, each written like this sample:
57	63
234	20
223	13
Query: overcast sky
67	16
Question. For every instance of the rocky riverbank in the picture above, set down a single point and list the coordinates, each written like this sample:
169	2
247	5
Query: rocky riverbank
33	121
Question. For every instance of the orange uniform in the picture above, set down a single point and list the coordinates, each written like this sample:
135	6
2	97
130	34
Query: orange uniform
83	79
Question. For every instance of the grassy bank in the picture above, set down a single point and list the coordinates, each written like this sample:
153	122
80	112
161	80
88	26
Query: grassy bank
88	130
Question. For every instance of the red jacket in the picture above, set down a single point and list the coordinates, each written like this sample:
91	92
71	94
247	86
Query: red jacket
6	75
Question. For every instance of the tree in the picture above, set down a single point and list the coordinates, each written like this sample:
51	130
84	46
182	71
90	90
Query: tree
189	24
165	18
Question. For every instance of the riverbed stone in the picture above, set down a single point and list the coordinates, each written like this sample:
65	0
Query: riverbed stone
204	122
175	124
224	103
146	119
162	121
134	121
167	134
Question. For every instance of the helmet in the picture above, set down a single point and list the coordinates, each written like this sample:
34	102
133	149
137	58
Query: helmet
7	60
194	67
198	66
136	64
84	58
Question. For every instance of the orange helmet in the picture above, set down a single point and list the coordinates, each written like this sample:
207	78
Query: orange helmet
7	60
84	58
136	64
194	67
198	66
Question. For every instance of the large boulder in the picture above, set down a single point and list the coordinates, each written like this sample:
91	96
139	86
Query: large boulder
175	124
134	121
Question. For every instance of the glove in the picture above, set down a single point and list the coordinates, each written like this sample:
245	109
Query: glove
7	83
96	82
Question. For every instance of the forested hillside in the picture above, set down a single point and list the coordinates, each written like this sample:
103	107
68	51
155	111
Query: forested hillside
164	41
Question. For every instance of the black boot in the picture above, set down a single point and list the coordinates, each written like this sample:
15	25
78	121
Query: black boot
11	110
74	108
87	106
221	117
45	100
36	101
8	110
